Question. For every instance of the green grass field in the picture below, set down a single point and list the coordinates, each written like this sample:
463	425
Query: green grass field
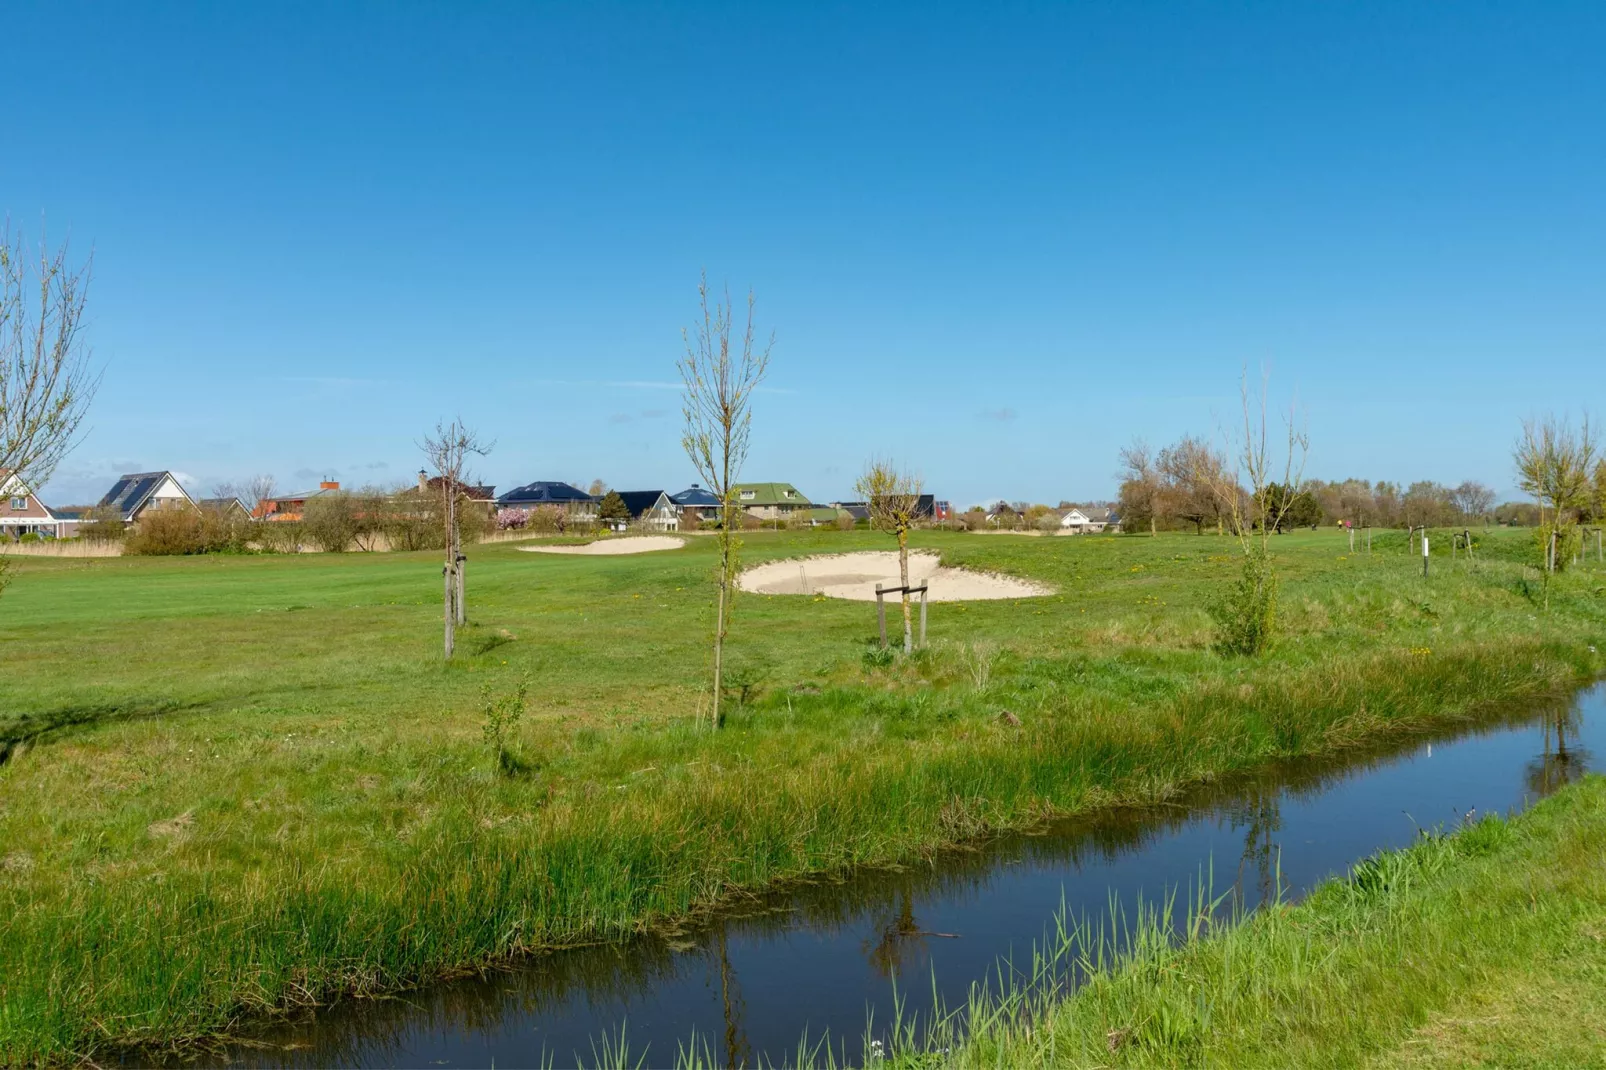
236	784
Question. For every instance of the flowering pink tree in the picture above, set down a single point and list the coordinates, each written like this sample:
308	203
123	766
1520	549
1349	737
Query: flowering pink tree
511	519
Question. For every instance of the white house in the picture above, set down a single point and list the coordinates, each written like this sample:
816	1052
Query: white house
137	493
1086	521
652	509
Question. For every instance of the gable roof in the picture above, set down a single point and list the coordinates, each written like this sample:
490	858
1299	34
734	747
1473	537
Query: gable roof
769	494
222	504
639	501
131	491
544	491
696	497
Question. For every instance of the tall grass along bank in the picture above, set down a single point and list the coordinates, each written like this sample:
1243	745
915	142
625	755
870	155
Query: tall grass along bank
1482	948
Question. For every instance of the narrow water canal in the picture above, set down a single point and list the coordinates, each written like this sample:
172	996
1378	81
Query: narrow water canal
822	958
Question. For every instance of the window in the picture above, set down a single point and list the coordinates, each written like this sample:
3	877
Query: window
19	504
749	495
788	494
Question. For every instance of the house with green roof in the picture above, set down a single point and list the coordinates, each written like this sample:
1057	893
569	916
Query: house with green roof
770	501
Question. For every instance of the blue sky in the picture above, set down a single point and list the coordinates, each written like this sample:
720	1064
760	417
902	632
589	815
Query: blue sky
995	241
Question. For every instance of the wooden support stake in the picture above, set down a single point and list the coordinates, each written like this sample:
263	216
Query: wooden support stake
446	575
922	617
462	602
881	615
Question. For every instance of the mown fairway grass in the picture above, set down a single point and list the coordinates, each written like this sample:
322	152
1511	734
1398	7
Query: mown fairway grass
241	783
1482	949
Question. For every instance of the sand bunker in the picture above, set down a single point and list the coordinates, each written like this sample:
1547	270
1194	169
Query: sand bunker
855	576
635	544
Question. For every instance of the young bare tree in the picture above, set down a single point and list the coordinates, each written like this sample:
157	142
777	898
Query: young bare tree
1556	465
1246	616
1140	484
718	379
449	451
252	491
1190	471
1473	500
893	499
45	380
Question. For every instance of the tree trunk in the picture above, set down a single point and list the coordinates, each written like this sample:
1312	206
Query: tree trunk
903	578
462	606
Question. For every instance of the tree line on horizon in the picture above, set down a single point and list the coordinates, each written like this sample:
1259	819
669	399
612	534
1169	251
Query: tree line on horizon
1187	485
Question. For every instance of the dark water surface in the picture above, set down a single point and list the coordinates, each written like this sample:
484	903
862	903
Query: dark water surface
822	958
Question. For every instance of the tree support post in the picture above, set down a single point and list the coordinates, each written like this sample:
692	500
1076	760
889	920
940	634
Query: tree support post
923	616
881	614
462	603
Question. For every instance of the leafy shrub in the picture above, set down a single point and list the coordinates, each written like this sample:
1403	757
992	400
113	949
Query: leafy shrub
165	532
1246	613
280	536
31	537
743	680
501	721
331	522
103	525
547	520
474	521
512	519
845	522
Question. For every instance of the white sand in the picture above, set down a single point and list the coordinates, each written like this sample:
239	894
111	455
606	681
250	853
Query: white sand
854	576
633	544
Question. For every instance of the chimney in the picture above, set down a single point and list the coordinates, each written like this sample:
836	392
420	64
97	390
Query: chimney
329	484
423	479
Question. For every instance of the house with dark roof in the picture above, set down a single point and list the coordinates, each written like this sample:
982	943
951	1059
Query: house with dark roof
575	503
696	504
770	501
22	513
138	493
651	509
927	507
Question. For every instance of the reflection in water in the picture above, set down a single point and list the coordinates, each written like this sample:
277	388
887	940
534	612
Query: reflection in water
817	957
1261	818
1563	759
738	1052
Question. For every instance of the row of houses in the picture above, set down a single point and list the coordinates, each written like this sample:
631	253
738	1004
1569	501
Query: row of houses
137	494
22	512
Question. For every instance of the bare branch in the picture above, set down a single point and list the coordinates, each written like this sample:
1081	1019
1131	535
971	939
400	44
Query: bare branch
46	383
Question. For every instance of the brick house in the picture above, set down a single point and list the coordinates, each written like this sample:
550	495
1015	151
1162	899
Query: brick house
22	513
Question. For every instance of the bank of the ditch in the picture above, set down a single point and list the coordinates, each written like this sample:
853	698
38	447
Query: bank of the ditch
1482	948
665	823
